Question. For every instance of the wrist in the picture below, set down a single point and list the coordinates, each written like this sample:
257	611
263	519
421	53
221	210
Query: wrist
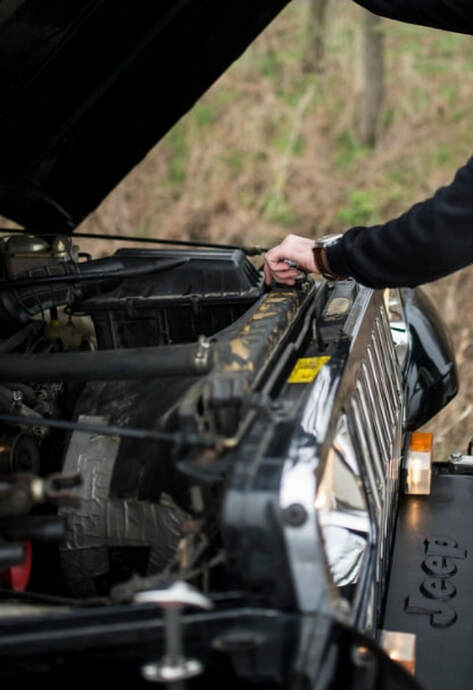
321	259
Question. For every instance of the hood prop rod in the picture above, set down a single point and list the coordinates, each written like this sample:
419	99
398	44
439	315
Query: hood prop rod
249	251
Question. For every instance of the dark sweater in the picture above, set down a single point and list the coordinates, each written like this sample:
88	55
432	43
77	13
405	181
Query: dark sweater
435	237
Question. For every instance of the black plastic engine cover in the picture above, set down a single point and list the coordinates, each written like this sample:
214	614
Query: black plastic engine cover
204	295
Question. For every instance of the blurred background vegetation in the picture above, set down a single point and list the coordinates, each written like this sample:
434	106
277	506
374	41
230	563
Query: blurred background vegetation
277	146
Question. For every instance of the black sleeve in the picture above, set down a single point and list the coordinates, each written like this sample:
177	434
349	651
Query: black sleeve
452	15
432	239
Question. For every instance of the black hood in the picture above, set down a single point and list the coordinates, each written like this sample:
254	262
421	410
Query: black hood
88	87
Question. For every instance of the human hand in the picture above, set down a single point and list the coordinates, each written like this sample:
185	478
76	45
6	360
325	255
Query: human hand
295	249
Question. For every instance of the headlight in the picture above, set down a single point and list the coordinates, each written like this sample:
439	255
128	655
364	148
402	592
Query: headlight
343	513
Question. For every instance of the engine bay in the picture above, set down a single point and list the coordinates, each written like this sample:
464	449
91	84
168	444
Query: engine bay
124	380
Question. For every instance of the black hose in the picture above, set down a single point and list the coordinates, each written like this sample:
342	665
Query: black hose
175	437
151	267
106	365
11	554
44	528
49	287
29	331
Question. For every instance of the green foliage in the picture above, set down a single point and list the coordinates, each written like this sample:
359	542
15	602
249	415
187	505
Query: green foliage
362	208
246	198
224	96
284	144
409	39
450	93
235	160
270	66
396	196
402	175
419	98
431	67
177	142
349	149
444	157
204	114
298	87
445	44
456	115
388	116
342	38
278	210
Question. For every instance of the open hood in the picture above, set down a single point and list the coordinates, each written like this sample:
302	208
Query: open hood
89	86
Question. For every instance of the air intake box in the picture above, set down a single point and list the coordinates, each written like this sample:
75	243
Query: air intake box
202	296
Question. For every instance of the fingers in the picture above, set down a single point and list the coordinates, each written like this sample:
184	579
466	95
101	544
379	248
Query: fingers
284	262
277	267
267	273
280	271
294	249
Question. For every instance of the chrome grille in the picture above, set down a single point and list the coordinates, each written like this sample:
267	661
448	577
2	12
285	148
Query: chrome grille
376	410
355	412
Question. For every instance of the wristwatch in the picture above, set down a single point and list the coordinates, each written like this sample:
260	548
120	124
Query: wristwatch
320	256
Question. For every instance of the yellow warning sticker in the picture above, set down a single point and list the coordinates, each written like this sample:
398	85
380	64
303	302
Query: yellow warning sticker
306	369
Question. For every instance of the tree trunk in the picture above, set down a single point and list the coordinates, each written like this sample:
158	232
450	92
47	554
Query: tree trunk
372	77
313	60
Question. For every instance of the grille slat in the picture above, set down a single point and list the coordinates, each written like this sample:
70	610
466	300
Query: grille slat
363	446
389	374
393	356
382	439
373	369
384	385
375	451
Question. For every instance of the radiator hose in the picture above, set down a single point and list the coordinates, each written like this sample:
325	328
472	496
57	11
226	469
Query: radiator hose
108	365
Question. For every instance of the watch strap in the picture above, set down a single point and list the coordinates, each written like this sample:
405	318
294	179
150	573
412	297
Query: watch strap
321	263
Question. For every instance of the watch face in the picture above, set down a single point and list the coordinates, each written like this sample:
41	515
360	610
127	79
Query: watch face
327	240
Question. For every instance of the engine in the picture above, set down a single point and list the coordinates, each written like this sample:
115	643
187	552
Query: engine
75	332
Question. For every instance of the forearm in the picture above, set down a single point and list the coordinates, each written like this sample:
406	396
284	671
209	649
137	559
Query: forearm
451	15
432	239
